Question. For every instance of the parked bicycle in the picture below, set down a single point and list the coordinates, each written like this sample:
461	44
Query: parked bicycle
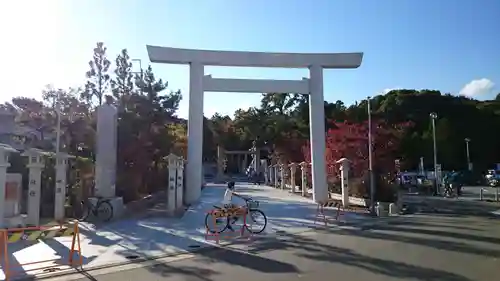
253	214
101	209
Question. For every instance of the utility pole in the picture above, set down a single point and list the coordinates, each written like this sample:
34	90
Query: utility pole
433	116
58	128
469	164
370	159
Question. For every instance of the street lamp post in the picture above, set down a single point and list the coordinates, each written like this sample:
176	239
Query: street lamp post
469	166
370	160
140	70
433	116
58	128
140	65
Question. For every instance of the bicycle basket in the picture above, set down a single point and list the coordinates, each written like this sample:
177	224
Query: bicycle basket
253	204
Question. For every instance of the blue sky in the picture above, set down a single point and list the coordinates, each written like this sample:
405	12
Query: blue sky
443	45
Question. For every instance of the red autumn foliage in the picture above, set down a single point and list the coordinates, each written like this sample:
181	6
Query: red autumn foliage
350	140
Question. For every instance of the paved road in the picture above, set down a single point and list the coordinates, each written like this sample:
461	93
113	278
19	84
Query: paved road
430	248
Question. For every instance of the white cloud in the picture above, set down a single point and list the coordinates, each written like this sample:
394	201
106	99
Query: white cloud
477	88
385	91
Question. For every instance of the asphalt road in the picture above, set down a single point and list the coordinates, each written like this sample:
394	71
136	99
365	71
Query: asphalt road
430	248
473	192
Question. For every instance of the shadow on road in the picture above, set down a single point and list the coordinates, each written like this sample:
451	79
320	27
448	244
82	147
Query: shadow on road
189	272
309	248
163	270
248	260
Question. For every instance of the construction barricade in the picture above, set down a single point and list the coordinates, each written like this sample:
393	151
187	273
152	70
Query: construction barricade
13	235
322	206
218	214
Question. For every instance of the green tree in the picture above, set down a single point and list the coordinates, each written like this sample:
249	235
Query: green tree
122	84
145	135
35	115
77	133
98	78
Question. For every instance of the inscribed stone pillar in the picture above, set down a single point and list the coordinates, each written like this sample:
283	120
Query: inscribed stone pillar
106	142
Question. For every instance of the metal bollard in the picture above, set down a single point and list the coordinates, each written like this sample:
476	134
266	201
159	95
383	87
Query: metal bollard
481	194
496	194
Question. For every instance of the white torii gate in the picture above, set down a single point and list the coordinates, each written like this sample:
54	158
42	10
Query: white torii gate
199	83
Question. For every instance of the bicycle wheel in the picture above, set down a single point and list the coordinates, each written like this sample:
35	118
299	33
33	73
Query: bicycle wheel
220	223
256	222
104	211
82	211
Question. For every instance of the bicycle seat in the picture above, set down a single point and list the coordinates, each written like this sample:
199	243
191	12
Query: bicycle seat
217	207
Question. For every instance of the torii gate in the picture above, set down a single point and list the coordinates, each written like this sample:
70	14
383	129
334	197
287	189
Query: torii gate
199	83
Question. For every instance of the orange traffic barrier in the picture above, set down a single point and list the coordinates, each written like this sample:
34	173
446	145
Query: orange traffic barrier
12	235
320	210
224	213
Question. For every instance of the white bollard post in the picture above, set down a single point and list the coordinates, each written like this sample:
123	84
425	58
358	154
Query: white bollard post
35	166
172	176
344	175
393	209
5	150
60	189
303	177
293	169
282	175
179	192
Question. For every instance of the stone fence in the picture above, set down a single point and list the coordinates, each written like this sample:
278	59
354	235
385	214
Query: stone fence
287	176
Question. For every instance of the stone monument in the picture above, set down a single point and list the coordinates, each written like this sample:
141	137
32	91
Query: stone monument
106	153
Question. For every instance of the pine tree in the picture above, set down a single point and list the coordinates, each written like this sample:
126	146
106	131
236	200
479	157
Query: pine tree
98	79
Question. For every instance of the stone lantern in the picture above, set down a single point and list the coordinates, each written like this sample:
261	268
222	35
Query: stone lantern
344	176
303	177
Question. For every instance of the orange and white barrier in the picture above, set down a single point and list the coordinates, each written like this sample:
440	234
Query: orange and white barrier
216	214
13	235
